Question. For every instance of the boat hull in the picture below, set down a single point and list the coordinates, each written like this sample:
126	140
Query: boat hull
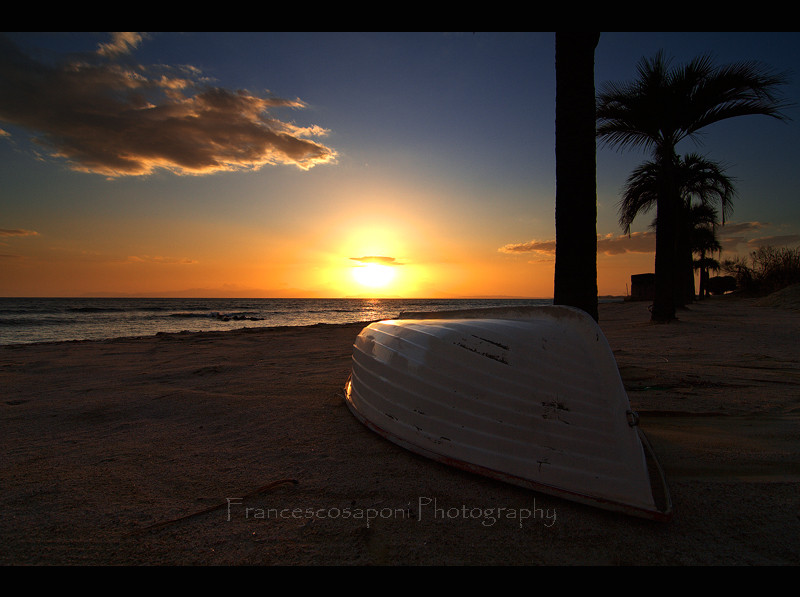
531	397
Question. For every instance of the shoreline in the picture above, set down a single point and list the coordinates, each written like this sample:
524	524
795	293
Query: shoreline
26	321
151	451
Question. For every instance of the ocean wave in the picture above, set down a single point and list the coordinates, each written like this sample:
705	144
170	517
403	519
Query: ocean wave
57	319
218	315
35	321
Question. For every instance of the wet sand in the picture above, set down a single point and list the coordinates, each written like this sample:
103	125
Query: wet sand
236	448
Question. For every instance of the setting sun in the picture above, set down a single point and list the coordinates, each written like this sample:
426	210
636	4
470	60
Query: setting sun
374	275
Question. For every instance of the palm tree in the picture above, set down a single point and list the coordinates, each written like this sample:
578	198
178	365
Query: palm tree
702	187
705	188
703	239
575	281
664	106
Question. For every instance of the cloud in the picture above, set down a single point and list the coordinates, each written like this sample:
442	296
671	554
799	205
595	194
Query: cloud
376	259
159	259
104	114
541	250
121	43
17	232
534	246
731	236
13	232
730	242
636	242
741	227
786	240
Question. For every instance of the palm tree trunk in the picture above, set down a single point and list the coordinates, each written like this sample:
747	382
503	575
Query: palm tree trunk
666	241
703	275
690	291
685	271
575	282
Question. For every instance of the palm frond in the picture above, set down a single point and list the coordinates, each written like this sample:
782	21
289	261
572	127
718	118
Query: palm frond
664	105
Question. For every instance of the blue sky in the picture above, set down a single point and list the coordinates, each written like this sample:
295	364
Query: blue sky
432	151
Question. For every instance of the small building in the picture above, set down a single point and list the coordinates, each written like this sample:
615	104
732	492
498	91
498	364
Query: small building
643	287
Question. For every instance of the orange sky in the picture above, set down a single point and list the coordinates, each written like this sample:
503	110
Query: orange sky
254	164
415	264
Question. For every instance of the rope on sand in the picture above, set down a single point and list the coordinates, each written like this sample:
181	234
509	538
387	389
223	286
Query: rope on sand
262	489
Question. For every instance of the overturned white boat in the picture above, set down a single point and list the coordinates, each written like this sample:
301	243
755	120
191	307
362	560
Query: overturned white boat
529	395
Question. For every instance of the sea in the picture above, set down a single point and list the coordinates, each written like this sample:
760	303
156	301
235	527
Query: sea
27	320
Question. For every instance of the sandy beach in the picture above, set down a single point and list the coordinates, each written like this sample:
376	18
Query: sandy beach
236	448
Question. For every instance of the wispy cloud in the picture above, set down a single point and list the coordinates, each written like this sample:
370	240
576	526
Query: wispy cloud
783	240
376	259
636	242
741	227
6	234
737	236
110	116
17	232
539	250
731	236
532	246
122	42
159	260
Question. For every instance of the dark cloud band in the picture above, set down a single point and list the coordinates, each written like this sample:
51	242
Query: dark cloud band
110	116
